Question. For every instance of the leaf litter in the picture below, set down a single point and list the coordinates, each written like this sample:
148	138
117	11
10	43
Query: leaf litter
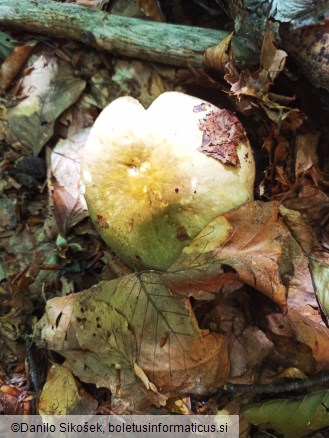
246	292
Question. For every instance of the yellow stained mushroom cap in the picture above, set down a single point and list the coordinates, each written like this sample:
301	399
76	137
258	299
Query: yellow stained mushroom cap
155	178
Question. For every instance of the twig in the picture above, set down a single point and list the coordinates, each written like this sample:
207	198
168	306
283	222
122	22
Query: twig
274	388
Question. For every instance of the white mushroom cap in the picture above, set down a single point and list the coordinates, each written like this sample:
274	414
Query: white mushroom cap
152	179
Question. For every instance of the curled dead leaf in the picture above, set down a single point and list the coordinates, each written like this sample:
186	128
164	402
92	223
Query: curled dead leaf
216	57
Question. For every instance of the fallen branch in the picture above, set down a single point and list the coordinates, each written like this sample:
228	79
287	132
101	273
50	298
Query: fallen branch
142	39
276	388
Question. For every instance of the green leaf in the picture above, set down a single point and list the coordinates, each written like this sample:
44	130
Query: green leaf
7	45
61	242
320	278
293	417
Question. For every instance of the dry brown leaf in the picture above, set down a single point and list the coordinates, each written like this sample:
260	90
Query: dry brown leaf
151	8
303	341
12	65
217	57
222	134
253	88
306	152
301	293
272	60
250	239
247	351
311	201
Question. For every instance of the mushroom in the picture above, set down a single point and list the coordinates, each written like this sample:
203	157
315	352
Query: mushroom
155	178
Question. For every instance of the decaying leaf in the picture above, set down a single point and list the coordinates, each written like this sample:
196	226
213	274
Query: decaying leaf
65	191
141	81
216	57
311	201
272	60
117	327
301	294
247	351
301	340
222	134
299	229
254	87
249	239
306	152
62	395
12	65
151	8
49	89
